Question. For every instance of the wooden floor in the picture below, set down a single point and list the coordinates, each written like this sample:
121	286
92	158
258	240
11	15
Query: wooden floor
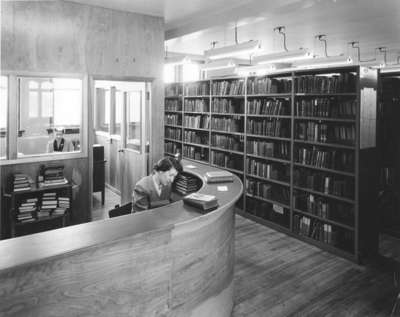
100	211
276	275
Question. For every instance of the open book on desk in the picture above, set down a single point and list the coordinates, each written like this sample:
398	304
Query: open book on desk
201	201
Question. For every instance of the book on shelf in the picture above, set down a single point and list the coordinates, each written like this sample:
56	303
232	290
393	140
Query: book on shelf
218	177
201	201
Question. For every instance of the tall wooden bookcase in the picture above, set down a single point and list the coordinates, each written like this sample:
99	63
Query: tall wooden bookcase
304	144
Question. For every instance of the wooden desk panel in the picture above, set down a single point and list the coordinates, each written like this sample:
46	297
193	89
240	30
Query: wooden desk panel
169	261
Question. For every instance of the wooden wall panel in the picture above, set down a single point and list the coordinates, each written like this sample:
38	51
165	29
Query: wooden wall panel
66	37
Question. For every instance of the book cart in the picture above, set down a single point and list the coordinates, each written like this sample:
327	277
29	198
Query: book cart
304	144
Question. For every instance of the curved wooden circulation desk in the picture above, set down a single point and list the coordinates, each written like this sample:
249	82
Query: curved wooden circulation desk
169	261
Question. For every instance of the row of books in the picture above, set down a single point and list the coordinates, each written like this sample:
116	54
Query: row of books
173	133
197	89
268	106
269	127
227	160
21	182
227	142
173	90
314	229
195	153
337	185
325	133
196	121
326	107
342	83
278	193
266	85
223	105
173	105
271	212
196	105
326	158
228	88
171	147
174	119
195	137
228	124
268	170
273	149
324	207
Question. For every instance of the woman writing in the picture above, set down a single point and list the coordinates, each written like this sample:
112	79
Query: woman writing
155	190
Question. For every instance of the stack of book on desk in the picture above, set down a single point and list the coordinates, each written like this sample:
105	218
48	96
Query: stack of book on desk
201	201
185	184
21	182
49	202
218	177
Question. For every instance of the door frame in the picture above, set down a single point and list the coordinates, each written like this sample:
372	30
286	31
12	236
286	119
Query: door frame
90	117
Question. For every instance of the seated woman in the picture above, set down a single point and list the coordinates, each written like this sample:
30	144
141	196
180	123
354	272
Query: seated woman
59	144
155	190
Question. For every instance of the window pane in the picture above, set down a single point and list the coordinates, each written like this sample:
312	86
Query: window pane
3	116
33	104
107	108
118	112
191	72
47	104
134	119
50	116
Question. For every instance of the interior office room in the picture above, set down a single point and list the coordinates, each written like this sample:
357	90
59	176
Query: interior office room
278	120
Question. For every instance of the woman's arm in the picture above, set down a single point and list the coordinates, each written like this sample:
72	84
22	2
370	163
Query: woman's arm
140	199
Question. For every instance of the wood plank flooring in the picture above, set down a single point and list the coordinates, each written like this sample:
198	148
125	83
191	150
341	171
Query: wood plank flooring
276	275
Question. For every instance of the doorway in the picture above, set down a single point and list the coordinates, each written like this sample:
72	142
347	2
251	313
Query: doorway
121	132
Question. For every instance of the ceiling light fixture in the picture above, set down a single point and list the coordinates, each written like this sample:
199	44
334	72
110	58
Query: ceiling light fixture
373	62
325	61
259	70
224	63
285	56
238	49
175	58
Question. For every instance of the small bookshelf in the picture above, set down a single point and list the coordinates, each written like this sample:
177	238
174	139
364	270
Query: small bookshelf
297	141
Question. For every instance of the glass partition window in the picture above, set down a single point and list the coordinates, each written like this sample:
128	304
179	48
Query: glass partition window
134	122
3	116
50	115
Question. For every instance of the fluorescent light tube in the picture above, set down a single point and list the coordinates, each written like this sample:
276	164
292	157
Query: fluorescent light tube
224	63
391	69
324	62
288	56
175	58
232	50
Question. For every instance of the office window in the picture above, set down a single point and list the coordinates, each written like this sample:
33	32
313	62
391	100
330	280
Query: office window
50	109
3	116
119	103
191	72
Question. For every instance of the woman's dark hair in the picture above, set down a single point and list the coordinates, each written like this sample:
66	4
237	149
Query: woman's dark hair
166	164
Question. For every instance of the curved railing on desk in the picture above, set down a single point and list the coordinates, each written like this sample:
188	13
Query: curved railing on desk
169	261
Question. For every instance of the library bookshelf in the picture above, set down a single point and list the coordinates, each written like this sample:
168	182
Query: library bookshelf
303	142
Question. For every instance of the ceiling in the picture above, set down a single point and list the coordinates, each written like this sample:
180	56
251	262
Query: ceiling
191	26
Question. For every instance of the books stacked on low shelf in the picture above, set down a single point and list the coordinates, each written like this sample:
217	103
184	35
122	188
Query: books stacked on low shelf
63	202
185	184
53	175
27	210
201	201
49	202
21	182
218	177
